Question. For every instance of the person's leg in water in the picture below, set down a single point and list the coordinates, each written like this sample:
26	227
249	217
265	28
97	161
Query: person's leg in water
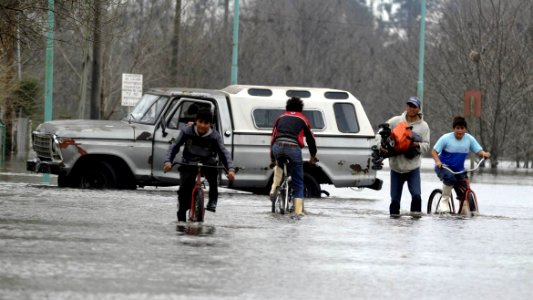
211	174
413	183
396	187
278	171
448	181
276	180
460	188
296	171
187	180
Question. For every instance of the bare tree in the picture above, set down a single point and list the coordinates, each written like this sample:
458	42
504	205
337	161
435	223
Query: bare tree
482	45
95	72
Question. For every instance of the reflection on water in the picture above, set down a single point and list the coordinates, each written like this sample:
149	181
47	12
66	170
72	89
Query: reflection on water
196	229
88	244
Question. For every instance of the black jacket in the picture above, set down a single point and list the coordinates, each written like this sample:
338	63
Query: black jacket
204	149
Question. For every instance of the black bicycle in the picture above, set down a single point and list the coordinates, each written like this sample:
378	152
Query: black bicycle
282	199
468	194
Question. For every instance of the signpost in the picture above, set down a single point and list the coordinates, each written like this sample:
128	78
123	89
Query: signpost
473	103
132	89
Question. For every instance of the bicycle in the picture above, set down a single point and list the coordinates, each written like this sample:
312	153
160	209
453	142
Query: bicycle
468	194
197	208
282	200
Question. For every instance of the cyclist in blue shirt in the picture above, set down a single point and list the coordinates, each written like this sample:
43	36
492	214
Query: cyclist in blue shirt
452	150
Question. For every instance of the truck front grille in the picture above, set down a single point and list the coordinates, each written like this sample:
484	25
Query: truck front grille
43	146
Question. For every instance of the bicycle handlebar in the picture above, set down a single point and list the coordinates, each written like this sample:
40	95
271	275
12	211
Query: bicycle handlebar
199	164
465	170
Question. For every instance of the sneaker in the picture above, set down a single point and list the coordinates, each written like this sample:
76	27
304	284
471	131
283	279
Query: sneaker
416	214
394	216
211	207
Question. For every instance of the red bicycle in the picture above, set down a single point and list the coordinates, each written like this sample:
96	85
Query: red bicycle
463	186
197	208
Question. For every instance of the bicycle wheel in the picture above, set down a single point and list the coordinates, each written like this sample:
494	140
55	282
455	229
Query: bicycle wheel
472	202
197	207
282	200
433	201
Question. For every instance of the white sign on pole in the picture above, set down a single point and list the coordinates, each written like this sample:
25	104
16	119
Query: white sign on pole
132	89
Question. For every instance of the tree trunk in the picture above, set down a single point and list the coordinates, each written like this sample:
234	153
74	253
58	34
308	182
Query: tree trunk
175	44
7	54
95	83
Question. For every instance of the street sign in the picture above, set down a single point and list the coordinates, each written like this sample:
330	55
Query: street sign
132	89
473	103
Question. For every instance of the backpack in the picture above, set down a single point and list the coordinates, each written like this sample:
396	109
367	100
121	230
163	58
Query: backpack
403	137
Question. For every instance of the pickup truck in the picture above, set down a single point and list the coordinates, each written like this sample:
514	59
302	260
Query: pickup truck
130	153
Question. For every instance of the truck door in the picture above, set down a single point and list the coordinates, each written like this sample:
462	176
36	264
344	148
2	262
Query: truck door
181	113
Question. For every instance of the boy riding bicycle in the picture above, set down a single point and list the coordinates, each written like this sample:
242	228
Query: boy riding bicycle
287	140
452	150
202	144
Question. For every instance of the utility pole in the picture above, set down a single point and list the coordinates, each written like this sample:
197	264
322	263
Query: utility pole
49	79
420	86
235	48
49	74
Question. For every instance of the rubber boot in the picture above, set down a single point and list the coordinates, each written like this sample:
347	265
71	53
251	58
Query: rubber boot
298	206
465	209
444	204
276	180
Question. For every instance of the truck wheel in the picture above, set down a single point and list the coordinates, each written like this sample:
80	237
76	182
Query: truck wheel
101	176
311	187
63	181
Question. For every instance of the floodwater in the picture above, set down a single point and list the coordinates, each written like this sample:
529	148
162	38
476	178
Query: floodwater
80	244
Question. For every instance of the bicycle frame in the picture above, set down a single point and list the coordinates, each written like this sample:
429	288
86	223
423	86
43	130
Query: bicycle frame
467	194
197	208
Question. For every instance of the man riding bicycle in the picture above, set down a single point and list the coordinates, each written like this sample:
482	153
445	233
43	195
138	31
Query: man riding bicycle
202	144
287	140
452	150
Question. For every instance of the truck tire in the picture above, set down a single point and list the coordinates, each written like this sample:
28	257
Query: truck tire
311	187
101	176
63	181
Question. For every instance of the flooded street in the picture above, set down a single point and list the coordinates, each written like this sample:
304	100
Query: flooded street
80	244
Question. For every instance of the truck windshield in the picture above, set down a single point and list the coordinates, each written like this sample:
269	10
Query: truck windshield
148	109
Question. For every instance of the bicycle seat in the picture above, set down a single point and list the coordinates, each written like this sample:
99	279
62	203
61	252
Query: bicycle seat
283	158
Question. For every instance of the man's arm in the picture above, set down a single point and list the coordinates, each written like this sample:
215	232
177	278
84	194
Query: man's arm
424	145
436	158
173	149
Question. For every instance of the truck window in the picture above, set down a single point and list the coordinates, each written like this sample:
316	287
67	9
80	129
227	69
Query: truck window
264	118
148	109
185	114
346	117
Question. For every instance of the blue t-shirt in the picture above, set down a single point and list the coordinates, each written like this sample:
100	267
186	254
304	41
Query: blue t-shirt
453	152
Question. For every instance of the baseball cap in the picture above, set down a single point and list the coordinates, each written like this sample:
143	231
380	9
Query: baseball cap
414	101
